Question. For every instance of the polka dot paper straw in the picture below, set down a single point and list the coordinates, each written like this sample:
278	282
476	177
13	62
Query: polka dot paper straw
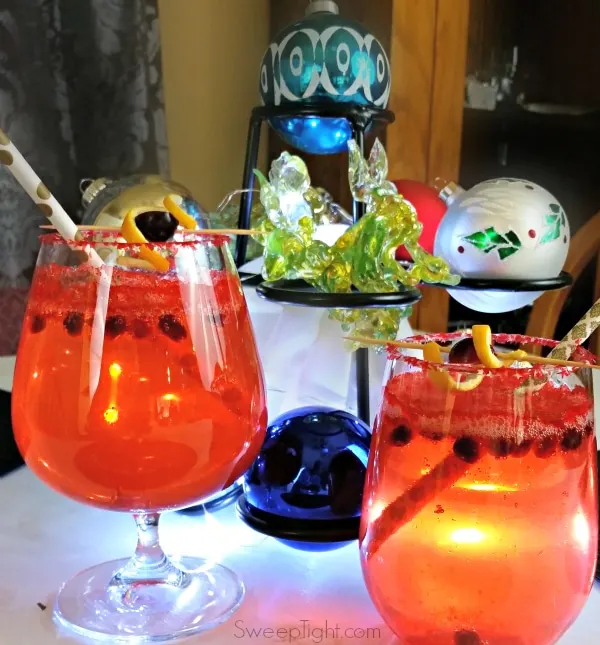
574	339
35	188
579	334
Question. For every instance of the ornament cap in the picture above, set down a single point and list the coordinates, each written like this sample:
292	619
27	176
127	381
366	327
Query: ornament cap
91	188
449	192
322	6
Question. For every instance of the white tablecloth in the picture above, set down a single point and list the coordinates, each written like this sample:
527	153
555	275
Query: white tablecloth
45	538
305	359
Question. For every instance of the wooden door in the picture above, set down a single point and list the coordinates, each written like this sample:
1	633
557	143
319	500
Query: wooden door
428	59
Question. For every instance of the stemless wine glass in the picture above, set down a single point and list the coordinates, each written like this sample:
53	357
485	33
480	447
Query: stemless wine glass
479	523
139	391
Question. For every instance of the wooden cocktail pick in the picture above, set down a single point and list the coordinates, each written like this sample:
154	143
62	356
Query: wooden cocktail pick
199	231
507	356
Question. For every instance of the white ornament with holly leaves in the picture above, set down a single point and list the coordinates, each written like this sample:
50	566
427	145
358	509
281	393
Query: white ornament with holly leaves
503	229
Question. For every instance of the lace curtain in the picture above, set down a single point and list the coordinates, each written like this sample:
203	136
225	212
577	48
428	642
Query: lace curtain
80	96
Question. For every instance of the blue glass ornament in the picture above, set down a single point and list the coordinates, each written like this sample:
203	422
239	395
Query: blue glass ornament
323	58
314	134
309	476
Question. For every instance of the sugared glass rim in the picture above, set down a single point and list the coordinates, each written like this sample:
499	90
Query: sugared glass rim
94	238
581	355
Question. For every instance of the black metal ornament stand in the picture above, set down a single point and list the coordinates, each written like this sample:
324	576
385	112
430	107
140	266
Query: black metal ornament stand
361	119
511	285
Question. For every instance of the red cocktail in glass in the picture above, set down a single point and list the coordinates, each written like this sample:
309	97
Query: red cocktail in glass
479	522
139	391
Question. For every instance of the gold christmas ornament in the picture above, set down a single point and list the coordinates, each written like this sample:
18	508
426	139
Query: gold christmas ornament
107	202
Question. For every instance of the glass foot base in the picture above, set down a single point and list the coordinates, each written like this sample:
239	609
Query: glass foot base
148	612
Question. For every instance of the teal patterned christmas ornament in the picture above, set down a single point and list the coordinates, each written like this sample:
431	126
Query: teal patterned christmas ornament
323	58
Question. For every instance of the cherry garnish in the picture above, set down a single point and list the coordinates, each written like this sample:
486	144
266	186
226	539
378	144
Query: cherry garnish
521	449
171	327
571	440
545	447
401	435
73	323
502	447
140	328
156	226
467	637
466	449
115	326
464	352
37	324
233	399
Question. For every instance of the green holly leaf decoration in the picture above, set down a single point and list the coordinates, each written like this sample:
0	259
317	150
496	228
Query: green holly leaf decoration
513	238
555	221
490	240
479	240
552	233
506	251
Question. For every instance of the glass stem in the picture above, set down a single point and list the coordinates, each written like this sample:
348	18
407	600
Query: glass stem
149	564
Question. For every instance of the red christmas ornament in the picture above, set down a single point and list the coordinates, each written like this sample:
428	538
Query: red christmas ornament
430	210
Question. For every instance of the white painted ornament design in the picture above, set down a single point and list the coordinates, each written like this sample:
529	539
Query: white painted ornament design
503	229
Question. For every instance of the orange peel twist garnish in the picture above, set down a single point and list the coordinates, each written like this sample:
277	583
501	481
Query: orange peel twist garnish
519	355
186	220
132	234
433	354
482	341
